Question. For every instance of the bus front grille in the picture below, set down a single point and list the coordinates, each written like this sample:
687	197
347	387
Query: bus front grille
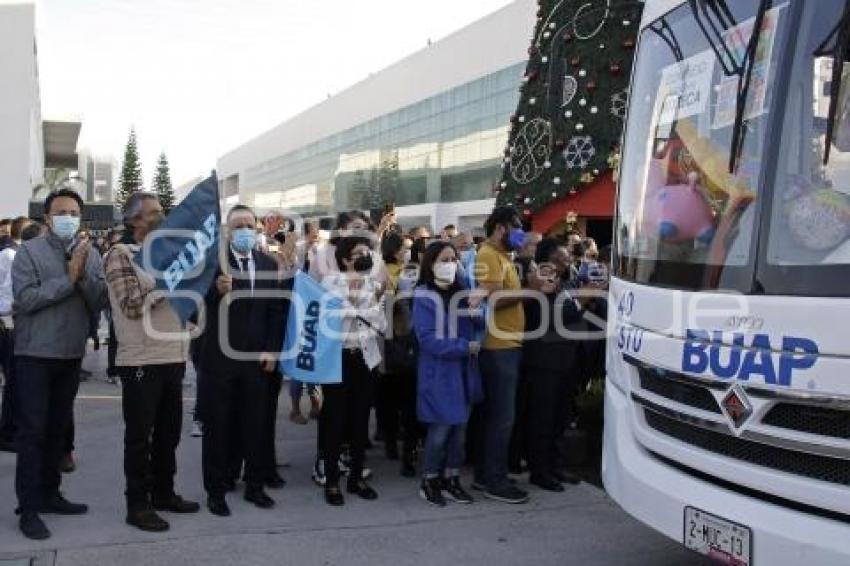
824	421
676	388
833	470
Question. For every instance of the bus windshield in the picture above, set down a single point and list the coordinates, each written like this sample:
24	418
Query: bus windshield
808	244
695	144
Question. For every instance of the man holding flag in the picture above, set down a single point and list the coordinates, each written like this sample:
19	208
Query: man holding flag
246	318
151	360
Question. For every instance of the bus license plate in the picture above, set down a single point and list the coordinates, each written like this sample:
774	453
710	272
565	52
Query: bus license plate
723	541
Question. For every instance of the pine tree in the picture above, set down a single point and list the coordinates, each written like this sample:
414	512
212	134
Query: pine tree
568	124
162	184
131	171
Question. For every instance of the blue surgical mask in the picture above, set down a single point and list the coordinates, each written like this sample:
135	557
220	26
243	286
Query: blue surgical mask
516	238
244	240
66	226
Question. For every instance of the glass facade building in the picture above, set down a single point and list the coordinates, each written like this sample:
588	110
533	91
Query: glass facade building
445	148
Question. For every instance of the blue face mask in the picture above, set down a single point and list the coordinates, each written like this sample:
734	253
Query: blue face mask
516	238
66	226
244	240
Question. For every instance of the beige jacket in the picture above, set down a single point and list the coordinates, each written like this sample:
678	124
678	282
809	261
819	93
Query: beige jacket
148	330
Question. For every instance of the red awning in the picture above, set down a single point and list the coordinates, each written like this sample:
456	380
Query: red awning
595	200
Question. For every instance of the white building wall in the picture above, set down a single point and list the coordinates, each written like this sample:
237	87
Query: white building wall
21	138
491	44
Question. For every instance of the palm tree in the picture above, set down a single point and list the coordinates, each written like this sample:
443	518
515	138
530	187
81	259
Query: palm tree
54	179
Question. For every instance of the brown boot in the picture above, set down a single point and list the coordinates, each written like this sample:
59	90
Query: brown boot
315	407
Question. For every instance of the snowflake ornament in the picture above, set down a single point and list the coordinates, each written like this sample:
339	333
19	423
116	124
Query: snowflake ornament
579	153
618	103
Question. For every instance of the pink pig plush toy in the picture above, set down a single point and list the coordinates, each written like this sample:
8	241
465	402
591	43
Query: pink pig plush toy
677	213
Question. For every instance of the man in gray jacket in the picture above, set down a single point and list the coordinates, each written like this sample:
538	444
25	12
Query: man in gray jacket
57	283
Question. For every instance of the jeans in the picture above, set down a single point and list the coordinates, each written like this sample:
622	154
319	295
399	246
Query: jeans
500	374
234	416
152	401
345	416
443	450
45	399
7	361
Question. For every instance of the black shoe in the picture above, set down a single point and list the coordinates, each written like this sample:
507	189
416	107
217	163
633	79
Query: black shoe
431	491
362	489
391	450
175	504
547	483
275	481
147	520
58	505
218	506
33	527
508	494
258	497
455	492
565	477
333	496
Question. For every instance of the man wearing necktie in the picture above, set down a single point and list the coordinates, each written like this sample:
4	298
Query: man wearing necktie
238	355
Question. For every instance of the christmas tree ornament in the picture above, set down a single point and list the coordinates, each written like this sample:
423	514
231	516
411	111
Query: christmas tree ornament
532	101
627	23
557	180
573	191
554	195
629	44
553	26
575	61
547	164
582	73
594	109
614	68
504	184
601	46
521	119
586	178
547	35
533	144
582	102
579	153
579	127
570	90
544	59
568	114
587	23
591	86
618	103
560	144
526	213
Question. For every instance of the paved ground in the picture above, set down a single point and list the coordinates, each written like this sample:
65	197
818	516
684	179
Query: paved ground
580	526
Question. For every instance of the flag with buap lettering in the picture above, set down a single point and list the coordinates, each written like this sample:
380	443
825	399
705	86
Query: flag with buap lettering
182	254
312	350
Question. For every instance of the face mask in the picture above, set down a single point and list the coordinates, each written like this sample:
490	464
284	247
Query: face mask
363	264
516	239
244	240
445	273
66	226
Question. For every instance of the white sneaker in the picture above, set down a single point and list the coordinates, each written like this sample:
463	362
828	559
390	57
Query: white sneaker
197	429
319	473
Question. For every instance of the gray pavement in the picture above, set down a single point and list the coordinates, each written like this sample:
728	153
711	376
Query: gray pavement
580	526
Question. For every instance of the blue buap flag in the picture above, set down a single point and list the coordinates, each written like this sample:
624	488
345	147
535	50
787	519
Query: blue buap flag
312	351
182	254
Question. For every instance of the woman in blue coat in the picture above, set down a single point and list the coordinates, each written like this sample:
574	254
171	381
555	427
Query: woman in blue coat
448	378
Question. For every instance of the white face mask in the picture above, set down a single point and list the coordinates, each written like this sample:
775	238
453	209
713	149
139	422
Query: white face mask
445	273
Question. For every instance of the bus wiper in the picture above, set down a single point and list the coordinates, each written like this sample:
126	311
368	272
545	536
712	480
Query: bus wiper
739	128
720	20
840	33
663	30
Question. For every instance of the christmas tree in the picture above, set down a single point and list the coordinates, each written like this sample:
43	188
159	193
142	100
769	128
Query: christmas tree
131	171
569	121
162	184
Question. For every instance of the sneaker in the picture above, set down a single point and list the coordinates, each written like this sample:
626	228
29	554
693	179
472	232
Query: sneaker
58	505
508	494
363	490
33	527
318	474
455	492
333	496
297	418
431	491
345	468
197	429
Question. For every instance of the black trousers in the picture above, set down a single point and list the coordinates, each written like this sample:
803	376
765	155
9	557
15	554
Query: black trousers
546	388
233	411
345	416
7	409
111	351
274	383
396	409
152	400
45	400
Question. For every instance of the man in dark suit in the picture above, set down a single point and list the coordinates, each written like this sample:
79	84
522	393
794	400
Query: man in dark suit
239	352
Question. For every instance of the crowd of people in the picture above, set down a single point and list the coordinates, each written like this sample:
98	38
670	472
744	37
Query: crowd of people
469	350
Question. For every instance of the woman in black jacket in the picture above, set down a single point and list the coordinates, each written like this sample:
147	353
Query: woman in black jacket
550	361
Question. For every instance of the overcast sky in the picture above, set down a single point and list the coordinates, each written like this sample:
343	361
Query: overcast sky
200	77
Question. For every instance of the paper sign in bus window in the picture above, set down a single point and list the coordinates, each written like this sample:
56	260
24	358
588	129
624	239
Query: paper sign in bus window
685	88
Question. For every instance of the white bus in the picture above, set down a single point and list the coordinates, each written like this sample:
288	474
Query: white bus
727	413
